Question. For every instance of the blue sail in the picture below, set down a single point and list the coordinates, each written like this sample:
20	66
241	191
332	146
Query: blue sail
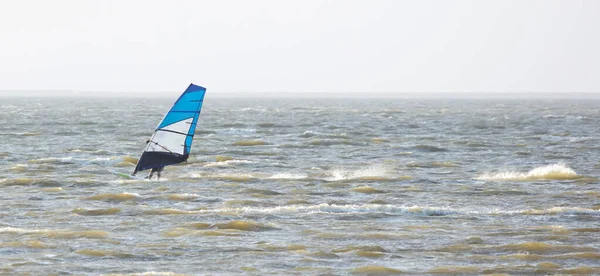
171	142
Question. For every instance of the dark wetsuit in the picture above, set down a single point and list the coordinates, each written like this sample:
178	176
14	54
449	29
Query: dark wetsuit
157	171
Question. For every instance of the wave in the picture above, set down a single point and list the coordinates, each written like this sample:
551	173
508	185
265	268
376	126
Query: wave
112	161
549	172
66	133
105	253
96	212
455	270
247	143
379	140
542	247
243	226
24	134
252	191
550	116
53	160
30	182
549	211
243	203
258	207
221	158
182	197
18	168
325	208
290	176
226	177
252	153
369	173
205	132
367	190
129	159
373	173
428	148
250	207
272	125
227	163
169	211
433	164
570	117
237	131
376	270
103	161
67	234
370	254
116	197
90	151
279	248
529	247
542	268
335	142
309	133
231	228
561	210
52	190
25	244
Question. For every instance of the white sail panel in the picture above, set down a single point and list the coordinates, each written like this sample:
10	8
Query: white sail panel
181	126
170	138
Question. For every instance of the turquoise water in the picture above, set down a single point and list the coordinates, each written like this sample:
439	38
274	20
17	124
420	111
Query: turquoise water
304	187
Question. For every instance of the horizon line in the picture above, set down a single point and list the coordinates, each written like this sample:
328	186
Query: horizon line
65	93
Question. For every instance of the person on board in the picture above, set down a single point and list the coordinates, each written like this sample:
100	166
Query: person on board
156	170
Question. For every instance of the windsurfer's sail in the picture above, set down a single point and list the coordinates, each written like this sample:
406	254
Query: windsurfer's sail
172	140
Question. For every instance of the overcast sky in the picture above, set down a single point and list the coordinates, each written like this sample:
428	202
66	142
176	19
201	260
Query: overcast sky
329	46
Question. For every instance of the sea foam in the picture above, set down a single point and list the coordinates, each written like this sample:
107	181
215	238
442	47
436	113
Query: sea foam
548	172
373	172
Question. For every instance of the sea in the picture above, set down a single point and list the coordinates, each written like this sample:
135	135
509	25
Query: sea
303	186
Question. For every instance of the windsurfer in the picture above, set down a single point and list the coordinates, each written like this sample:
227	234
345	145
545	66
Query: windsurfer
172	139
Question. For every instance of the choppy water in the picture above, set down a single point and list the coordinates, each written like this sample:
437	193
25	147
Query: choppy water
338	187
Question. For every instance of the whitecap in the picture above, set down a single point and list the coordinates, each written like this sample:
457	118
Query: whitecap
553	172
290	176
368	173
